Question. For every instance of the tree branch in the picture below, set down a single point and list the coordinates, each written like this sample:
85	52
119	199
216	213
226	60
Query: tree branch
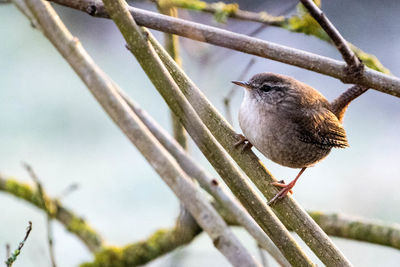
355	65
359	229
324	65
289	211
159	243
103	89
72	222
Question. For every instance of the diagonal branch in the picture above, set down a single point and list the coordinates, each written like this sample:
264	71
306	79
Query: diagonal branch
200	32
355	65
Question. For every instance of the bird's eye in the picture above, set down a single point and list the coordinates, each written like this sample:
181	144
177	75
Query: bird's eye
265	88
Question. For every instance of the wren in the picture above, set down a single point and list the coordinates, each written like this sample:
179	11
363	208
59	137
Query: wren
291	123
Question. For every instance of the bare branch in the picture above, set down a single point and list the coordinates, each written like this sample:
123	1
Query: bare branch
359	229
200	32
355	65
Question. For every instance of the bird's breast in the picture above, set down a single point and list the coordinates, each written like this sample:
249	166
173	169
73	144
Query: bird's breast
275	136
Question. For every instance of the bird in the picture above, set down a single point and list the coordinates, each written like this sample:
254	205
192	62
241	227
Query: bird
291	123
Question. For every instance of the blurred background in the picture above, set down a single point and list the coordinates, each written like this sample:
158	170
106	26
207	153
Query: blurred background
49	119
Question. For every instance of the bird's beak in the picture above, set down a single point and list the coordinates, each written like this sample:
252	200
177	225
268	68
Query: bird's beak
243	84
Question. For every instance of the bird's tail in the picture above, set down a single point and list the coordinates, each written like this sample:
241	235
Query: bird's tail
340	104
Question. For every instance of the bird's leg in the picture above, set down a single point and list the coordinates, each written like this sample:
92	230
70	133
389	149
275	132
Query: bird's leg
285	188
243	140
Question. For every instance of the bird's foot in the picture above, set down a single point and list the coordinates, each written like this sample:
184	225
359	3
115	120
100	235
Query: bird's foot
286	189
243	140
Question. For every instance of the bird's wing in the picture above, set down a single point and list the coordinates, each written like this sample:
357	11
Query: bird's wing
321	128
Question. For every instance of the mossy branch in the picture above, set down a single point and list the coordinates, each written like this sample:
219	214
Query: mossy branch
359	229
338	225
159	243
73	223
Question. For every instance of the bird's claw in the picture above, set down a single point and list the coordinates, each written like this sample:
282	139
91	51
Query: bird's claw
286	189
242	140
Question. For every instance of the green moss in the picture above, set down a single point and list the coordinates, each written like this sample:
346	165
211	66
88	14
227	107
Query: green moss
223	11
23	191
109	257
79	227
139	253
369	60
303	22
188	4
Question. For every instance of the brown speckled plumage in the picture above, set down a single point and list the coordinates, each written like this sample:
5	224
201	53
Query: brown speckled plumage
288	121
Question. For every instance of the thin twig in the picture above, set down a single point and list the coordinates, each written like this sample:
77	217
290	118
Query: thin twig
14	255
68	190
354	64
8	250
229	96
200	32
46	207
38	184
50	241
